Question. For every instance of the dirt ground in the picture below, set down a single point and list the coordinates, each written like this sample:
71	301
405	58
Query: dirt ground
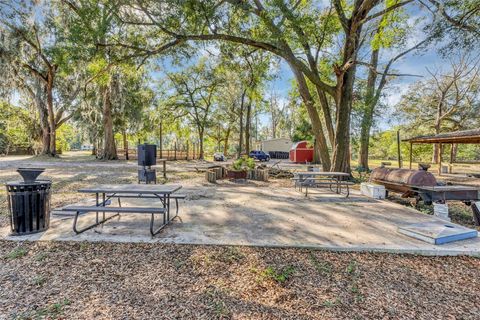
59	280
67	280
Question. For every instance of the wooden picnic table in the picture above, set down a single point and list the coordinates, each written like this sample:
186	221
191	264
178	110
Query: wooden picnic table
104	192
317	178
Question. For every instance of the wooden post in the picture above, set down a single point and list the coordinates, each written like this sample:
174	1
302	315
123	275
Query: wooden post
211	176
160	144
194	151
164	168
187	151
411	155
175	151
450	167
125	144
398	150
440	160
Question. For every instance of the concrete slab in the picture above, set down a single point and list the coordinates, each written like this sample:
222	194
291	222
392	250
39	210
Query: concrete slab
438	232
256	216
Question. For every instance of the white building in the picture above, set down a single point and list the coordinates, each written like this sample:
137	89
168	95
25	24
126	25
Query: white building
279	144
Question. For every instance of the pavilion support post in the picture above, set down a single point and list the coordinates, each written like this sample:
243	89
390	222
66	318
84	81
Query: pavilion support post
440	159
411	155
450	167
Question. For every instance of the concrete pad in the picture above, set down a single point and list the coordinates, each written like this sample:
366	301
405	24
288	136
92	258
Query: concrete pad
256	216
438	232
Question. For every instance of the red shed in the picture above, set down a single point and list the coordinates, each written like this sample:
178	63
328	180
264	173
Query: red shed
300	152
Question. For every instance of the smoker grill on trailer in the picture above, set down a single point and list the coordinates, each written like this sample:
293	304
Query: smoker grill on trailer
422	185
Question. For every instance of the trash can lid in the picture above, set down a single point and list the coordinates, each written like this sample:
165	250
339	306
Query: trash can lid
22	183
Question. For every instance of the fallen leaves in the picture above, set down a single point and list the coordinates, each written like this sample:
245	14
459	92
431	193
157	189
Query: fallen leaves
139	281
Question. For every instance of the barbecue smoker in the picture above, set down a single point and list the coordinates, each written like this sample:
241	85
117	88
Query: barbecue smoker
422	185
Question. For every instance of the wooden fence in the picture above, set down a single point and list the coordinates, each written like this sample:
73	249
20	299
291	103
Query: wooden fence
163	154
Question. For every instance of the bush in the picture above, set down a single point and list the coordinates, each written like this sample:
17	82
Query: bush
244	163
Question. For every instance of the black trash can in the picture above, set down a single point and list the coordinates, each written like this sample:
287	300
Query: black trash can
29	206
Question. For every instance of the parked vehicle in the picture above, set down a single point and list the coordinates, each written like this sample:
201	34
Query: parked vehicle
218	156
259	155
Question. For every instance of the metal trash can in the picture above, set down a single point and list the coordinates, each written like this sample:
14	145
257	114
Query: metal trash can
29	206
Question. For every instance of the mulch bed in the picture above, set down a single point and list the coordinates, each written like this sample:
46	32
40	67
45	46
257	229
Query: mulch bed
62	280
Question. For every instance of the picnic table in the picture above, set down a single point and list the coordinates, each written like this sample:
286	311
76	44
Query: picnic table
334	180
105	192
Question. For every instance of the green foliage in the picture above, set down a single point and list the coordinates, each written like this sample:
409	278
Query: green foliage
53	311
39	280
244	163
16	253
392	28
279	276
323	267
16	128
383	146
68	138
303	131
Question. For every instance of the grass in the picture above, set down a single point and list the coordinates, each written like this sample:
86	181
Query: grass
330	304
41	257
230	255
353	273
39	280
216	303
323	267
53	311
16	253
278	275
352	267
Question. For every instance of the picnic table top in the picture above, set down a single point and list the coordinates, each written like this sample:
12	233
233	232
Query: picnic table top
132	188
324	173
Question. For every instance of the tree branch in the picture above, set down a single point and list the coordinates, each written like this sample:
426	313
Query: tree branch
386	10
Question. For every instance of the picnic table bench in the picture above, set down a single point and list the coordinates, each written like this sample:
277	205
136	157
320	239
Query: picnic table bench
335	181
103	194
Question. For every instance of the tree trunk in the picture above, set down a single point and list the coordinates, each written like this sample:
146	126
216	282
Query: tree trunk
321	142
248	125
369	107
125	144
326	115
453	157
219	138
51	114
200	136
43	117
109	148
344	93
227	137
94	148
240	134
45	139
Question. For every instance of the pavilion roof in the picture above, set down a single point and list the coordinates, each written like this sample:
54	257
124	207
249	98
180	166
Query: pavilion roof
465	136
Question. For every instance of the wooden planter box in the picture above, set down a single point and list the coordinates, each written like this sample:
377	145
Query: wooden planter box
234	174
258	174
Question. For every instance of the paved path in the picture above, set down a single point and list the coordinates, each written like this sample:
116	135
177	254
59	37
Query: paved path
246	215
